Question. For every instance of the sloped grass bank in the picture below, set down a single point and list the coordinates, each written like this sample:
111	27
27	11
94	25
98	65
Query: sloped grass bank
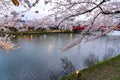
106	70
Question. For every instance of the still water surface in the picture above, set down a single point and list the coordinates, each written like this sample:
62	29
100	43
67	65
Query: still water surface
40	55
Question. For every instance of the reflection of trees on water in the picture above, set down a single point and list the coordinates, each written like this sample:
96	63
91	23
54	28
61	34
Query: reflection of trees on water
53	76
67	68
109	48
105	50
109	54
112	47
90	53
90	60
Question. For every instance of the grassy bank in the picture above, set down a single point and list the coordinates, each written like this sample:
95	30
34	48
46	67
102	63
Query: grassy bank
37	32
107	70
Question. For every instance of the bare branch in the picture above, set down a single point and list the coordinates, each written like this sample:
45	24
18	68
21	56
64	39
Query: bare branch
95	18
78	40
102	34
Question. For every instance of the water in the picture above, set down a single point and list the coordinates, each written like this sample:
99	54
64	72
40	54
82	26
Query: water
39	56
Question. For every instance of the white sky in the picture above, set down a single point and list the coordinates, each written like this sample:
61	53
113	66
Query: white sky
43	10
41	7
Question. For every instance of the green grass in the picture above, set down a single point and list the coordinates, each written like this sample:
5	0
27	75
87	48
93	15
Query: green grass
107	70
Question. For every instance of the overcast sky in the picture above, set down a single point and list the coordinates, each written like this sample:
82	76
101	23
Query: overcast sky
41	7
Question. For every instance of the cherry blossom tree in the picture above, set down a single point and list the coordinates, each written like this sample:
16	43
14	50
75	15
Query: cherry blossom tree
96	13
95	8
100	12
10	17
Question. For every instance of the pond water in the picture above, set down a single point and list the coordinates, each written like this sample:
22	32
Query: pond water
39	56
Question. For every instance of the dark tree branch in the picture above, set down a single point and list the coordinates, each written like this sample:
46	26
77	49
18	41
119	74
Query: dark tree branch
108	12
77	3
82	12
102	34
95	18
90	10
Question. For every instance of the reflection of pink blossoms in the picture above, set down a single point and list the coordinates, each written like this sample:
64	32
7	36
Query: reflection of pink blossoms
6	44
